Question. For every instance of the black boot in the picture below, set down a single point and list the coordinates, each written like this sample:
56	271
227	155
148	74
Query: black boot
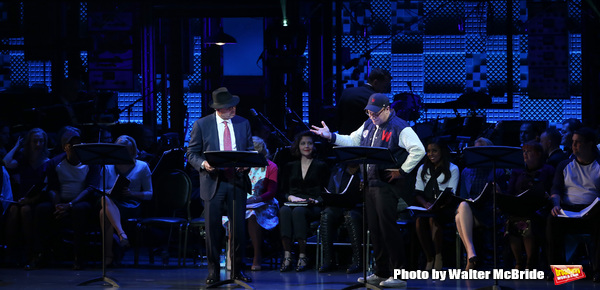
327	242
353	222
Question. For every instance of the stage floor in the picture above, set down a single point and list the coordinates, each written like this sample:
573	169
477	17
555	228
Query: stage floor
192	277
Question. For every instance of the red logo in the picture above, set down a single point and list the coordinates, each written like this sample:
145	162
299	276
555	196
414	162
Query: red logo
567	273
385	136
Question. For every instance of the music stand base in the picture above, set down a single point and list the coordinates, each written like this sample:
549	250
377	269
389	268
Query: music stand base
362	285
106	280
230	281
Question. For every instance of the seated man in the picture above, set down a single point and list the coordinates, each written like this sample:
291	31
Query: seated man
576	185
71	186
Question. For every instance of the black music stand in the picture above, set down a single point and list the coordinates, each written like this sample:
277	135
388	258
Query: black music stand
102	154
364	155
229	159
496	157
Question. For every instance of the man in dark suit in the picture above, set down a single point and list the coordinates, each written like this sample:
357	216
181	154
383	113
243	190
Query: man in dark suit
550	141
221	131
351	106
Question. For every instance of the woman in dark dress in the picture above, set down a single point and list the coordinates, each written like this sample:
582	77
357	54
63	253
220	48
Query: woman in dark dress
526	221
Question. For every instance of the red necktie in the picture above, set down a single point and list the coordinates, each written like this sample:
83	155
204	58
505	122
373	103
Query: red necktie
227	138
229	172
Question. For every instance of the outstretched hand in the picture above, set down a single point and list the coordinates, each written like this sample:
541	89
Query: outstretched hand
322	131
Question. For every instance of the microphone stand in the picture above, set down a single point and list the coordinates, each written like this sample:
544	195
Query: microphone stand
264	119
298	119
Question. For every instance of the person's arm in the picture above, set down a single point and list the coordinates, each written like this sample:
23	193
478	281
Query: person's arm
6	191
195	149
348	140
92	181
344	140
558	188
9	160
144	192
453	182
409	140
419	187
269	185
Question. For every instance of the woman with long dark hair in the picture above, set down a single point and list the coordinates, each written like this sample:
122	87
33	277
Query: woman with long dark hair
435	175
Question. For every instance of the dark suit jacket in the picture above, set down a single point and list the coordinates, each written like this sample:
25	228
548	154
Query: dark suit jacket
205	137
351	108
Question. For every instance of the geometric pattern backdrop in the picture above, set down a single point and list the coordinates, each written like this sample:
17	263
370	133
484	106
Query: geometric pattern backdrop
442	48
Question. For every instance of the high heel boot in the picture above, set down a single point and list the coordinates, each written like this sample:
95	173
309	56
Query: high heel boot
353	222
327	242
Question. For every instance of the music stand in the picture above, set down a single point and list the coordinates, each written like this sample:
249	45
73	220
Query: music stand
232	159
102	154
364	155
496	157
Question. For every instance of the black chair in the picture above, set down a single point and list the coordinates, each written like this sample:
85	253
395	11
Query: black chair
200	224
172	199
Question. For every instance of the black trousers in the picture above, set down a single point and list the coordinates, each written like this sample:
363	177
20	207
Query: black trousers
215	232
294	222
79	218
388	246
557	228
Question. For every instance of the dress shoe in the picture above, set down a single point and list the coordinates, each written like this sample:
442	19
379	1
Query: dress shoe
286	265
242	277
472	264
302	264
212	279
124	243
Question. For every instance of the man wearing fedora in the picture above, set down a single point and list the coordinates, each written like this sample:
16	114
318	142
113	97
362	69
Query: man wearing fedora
221	131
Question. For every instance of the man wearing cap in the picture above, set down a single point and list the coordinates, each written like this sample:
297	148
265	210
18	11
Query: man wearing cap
383	129
71	185
221	131
353	99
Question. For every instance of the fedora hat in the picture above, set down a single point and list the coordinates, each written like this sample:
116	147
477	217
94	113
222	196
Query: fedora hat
222	98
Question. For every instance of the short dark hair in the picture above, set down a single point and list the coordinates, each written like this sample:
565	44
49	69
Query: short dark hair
587	133
554	135
380	74
295	148
574	124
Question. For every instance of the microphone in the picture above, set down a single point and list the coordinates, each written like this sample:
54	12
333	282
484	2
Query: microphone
409	83
253	112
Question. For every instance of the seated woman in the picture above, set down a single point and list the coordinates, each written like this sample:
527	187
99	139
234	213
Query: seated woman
304	181
435	175
27	168
343	196
472	183
525	223
125	203
264	189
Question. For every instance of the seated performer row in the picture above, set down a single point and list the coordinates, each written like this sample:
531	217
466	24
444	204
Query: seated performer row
51	194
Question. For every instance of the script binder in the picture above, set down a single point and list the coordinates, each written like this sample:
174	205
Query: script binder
446	198
579	214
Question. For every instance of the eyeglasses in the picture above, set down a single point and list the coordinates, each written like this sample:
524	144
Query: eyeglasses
371	114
